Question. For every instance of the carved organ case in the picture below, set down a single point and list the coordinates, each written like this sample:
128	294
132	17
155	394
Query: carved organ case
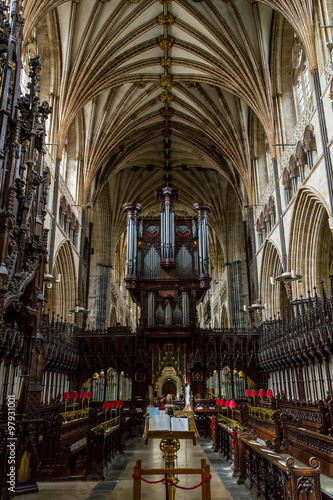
167	263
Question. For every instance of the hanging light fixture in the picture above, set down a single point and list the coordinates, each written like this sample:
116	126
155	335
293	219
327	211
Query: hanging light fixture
48	278
288	276
257	306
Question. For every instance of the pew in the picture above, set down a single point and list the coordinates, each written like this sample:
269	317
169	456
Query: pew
103	443
274	476
290	439
64	440
226	439
202	409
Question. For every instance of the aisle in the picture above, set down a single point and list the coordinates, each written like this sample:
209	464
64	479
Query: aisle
119	483
151	457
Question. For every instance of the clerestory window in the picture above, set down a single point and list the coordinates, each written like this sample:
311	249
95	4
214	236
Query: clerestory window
301	77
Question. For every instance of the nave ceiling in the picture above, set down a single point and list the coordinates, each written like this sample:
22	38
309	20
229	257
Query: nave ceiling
162	89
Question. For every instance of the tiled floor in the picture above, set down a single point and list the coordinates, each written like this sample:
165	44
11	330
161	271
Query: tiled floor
119	483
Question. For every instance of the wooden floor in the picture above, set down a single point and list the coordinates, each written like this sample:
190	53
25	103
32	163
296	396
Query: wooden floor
119	483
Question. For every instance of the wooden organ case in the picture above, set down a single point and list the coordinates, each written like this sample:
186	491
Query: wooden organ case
167	265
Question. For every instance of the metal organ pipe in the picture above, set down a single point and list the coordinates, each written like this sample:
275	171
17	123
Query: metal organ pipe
167	196
203	211
162	234
135	244
132	210
167	233
185	306
151	309
172	234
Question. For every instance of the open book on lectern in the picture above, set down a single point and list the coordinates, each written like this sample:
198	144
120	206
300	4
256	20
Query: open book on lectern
167	423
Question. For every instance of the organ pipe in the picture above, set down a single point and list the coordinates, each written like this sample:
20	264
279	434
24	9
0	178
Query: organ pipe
132	210
167	197
203	246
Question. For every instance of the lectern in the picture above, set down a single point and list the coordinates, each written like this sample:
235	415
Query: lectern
170	444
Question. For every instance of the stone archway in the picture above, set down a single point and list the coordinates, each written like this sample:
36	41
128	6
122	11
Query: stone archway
62	296
274	296
169	387
311	243
169	374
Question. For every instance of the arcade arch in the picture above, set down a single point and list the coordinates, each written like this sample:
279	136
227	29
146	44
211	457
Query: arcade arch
311	242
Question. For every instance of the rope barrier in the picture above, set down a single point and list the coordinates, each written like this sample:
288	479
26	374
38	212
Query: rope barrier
234	434
204	480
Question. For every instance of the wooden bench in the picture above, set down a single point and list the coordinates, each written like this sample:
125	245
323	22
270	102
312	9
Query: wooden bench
225	438
273	476
62	442
103	443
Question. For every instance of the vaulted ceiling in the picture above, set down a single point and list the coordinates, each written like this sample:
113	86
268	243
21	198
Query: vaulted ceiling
165	87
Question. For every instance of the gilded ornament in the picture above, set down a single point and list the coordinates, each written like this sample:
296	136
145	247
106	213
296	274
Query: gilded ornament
330	95
166	113
167	133
165	62
134	1
77	1
140	84
191	85
165	43
166	82
165	2
166	97
165	20
211	85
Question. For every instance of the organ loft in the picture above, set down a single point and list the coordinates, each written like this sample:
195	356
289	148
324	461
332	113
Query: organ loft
166	249
167	264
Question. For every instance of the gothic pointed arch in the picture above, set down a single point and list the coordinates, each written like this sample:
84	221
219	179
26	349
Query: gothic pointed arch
62	295
169	361
273	295
311	241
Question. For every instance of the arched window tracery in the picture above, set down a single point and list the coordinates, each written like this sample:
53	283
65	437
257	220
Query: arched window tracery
301	76
68	221
301	160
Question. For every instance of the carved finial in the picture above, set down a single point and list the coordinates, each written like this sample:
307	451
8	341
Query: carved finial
323	291
310	303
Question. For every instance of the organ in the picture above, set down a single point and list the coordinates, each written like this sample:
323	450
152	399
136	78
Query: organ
167	263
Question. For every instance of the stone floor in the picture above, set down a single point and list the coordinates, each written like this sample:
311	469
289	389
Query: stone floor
118	484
